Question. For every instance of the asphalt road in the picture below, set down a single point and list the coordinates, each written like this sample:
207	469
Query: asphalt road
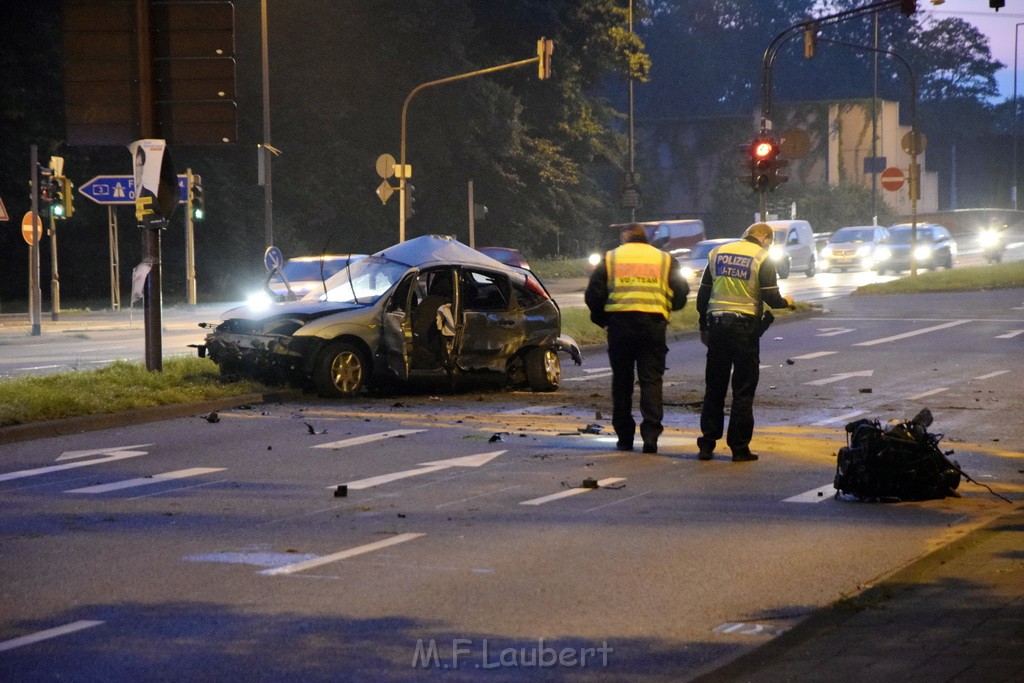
467	544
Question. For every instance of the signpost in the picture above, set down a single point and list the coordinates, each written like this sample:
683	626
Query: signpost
112	190
892	179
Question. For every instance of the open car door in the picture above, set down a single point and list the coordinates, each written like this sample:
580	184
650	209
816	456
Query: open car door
396	332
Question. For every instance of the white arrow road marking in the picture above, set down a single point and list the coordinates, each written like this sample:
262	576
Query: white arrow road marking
343	555
816	354
146	481
1010	335
905	335
839	377
425	468
832	331
817	495
992	374
369	438
932	392
121	455
601	375
571	492
47	634
840	418
71	455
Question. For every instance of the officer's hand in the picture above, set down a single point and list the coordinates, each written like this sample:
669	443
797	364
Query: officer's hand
704	337
790	304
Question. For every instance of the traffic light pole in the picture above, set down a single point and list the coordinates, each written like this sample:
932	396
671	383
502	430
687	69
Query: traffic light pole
35	294
403	169
190	245
54	277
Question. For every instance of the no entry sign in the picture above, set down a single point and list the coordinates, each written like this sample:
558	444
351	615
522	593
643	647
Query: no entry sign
892	179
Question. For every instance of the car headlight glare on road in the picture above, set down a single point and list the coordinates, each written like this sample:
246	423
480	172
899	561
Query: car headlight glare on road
988	238
258	301
594	260
923	252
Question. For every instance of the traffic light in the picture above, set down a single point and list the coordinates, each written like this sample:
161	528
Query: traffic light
410	199
996	4
908	7
64	201
810	41
544	49
765	164
198	199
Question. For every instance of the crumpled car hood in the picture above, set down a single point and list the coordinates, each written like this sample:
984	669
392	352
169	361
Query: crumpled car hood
303	308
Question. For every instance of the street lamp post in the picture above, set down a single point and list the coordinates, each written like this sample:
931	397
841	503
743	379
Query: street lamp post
1013	189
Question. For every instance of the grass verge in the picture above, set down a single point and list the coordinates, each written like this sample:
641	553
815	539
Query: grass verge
970	279
117	387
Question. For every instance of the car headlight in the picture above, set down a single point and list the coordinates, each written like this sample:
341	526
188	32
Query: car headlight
923	252
864	251
988	238
687	272
259	301
883	254
777	252
826	252
594	260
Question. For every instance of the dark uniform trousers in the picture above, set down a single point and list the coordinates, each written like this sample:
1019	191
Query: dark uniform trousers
733	349
637	340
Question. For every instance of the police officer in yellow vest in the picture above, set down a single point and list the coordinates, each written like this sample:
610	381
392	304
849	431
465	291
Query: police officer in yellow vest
737	283
632	293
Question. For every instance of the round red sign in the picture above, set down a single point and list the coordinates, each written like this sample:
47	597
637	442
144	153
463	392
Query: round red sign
892	179
27	231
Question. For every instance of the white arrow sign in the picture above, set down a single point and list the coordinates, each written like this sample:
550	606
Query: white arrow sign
119	455
840	377
833	331
71	455
426	468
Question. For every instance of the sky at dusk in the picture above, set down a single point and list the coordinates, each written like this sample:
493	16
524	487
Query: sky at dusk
998	26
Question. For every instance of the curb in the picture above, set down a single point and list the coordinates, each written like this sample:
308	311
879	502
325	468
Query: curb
89	423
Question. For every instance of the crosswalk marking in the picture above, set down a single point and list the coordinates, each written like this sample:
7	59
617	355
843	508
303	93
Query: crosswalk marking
1010	335
571	492
47	634
120	455
369	438
146	481
905	335
817	495
342	555
931	392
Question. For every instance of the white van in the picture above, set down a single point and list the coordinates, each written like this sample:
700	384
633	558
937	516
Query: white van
793	249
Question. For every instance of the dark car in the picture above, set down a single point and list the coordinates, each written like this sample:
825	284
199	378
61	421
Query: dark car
428	306
935	248
510	257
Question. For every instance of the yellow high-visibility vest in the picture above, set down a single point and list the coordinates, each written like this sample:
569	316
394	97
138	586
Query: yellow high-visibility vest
735	287
638	279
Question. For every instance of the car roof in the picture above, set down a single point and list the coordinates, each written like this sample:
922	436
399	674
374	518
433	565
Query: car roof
428	250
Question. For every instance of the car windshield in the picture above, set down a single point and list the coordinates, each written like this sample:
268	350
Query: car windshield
363	282
701	250
296	271
844	235
902	235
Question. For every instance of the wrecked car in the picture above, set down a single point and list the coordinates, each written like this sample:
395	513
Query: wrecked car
430	306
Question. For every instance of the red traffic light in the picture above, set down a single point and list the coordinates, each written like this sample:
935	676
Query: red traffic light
763	149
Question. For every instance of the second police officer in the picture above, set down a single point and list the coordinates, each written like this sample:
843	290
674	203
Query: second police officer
738	282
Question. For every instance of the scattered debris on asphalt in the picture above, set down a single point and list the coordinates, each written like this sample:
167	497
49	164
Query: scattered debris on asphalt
212	417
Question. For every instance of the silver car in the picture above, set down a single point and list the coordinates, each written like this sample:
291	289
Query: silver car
853	247
428	306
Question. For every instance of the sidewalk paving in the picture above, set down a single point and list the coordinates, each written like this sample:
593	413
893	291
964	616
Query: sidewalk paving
957	614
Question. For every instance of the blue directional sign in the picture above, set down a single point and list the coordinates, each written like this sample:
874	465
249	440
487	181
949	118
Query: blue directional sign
120	189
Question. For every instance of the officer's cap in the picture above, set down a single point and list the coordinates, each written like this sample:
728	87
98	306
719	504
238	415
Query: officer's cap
762	232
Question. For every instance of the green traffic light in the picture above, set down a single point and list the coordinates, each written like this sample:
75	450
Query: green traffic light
58	211
198	213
